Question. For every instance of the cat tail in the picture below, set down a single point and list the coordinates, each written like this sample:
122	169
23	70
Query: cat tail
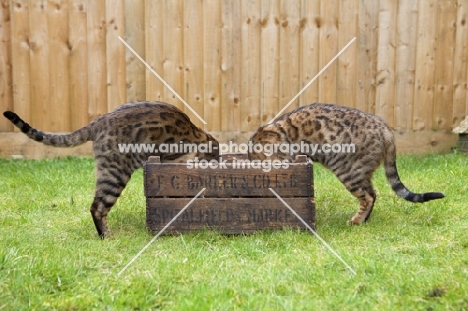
394	180
57	140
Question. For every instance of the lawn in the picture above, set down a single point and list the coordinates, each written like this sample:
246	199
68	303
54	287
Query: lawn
407	257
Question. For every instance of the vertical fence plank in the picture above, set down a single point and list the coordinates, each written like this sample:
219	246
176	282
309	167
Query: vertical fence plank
460	73
173	72
425	65
230	66
134	21
328	49
289	53
367	54
59	57
347	62
407	20
270	60
115	54
385	91
97	64
212	66
193	58
78	63
6	80
39	65
309	45
154	48
20	59
443	93
250	65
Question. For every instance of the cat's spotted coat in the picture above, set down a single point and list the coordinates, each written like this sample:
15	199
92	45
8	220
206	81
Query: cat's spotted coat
141	122
331	124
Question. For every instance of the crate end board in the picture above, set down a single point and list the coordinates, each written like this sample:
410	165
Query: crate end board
236	200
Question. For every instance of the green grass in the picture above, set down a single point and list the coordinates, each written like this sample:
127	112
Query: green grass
407	257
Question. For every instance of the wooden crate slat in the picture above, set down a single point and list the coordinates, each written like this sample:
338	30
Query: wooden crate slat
228	215
176	180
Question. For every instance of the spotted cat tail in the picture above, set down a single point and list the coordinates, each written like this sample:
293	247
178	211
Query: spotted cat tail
394	180
67	140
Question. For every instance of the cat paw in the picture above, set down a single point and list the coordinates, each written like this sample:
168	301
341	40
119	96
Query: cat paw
104	235
354	222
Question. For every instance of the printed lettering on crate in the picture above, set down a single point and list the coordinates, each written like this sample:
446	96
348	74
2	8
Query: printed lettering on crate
237	198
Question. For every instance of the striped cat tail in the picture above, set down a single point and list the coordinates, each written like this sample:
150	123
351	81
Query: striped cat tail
394	180
57	140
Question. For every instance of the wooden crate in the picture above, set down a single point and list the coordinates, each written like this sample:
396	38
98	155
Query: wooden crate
236	199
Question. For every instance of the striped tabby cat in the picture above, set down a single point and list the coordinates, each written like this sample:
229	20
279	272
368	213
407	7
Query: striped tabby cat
142	122
330	124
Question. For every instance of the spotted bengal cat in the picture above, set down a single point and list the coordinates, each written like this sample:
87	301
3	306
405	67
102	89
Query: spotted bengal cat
331	124
139	122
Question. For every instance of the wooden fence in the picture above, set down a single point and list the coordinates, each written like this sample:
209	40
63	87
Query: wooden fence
236	62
